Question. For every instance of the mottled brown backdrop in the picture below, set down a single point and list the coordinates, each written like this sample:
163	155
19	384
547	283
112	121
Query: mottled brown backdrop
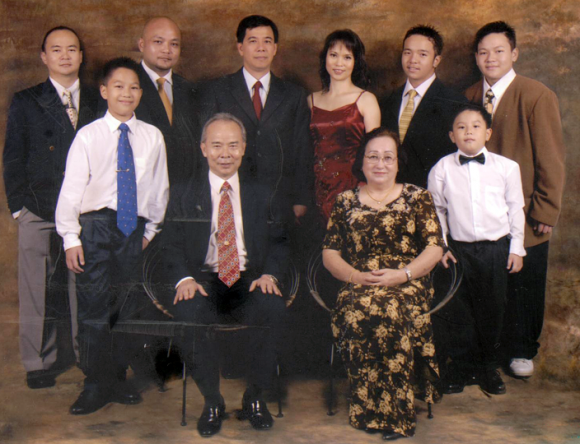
548	38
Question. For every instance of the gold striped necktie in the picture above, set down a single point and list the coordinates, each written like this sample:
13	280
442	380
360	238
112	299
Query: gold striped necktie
165	99
407	115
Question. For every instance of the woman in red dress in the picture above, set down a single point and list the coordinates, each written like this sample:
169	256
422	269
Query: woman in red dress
342	112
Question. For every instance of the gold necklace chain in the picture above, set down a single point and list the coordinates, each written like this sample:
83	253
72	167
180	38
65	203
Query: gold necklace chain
383	199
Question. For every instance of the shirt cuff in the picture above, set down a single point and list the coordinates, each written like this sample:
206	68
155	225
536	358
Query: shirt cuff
16	214
149	234
517	247
70	241
188	278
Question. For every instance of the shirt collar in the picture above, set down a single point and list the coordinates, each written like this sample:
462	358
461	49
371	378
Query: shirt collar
251	80
113	123
501	85
460	153
217	182
422	88
154	76
61	89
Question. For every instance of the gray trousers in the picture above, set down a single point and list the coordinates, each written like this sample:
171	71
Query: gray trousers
42	295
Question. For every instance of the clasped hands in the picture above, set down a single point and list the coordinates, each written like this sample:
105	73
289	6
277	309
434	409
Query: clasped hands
386	277
188	288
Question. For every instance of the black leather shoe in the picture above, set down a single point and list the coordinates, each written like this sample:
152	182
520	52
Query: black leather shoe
391	436
210	421
453	383
257	412
491	382
124	393
89	401
39	379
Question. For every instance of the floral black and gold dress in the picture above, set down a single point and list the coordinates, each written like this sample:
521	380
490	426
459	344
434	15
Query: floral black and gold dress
385	341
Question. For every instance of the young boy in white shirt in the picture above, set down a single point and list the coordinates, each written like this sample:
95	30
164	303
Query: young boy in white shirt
479	200
110	206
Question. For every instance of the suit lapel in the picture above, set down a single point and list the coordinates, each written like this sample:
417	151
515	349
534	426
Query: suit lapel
396	107
239	90
275	97
51	101
249	213
506	98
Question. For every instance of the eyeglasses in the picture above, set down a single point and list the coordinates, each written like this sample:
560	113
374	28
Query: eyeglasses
374	159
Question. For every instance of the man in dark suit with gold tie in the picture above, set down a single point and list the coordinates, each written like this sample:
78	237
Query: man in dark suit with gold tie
42	123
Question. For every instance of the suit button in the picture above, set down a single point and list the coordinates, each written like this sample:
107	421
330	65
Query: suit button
258	133
51	148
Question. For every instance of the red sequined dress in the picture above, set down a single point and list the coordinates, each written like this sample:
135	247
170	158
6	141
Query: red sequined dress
336	136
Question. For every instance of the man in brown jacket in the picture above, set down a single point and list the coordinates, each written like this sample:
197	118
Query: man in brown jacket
527	129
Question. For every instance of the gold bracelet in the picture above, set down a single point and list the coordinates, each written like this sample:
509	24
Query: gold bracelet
350	276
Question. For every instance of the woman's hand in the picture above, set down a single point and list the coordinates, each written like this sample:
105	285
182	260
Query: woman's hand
389	277
364	278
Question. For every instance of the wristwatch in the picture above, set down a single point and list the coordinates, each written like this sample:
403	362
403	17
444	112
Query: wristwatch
408	273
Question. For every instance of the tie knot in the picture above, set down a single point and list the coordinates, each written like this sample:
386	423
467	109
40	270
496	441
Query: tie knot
123	127
257	86
412	93
226	187
161	81
67	94
489	94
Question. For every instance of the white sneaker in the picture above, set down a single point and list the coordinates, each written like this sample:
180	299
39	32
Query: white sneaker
524	368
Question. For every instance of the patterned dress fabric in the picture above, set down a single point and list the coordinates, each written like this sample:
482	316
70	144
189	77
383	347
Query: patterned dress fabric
228	257
336	136
126	184
385	341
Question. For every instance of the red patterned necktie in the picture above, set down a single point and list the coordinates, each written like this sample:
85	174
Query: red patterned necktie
228	259
257	99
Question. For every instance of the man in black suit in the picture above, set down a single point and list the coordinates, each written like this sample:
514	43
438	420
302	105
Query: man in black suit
422	110
42	123
167	100
274	113
226	247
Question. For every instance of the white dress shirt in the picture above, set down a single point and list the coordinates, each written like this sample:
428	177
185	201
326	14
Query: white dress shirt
90	181
264	90
75	91
167	86
478	202
421	91
498	88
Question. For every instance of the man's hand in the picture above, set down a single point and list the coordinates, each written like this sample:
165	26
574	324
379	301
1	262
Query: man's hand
299	212
145	243
75	258
266	284
541	228
446	257
187	289
515	263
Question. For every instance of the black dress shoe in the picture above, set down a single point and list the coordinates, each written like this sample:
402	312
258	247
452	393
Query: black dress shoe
453	383
491	382
389	435
39	379
124	393
257	412
90	401
210	421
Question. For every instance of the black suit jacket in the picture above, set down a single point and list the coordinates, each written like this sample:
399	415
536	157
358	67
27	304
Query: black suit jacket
427	139
188	226
181	137
278	148
38	137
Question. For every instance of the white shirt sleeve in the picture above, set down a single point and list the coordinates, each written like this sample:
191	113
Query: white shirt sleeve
514	197
436	186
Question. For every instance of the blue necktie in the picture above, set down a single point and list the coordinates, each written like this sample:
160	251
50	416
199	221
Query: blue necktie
126	185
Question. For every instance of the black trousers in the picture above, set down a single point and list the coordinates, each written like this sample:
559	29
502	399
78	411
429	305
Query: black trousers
235	305
526	300
469	328
111	272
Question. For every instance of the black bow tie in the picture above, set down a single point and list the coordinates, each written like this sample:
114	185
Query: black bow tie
464	159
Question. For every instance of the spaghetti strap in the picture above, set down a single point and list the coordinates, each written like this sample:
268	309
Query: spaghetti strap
356	98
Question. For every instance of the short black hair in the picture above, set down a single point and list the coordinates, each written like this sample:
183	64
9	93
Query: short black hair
431	33
255	21
472	107
60	28
113	65
360	154
352	42
495	28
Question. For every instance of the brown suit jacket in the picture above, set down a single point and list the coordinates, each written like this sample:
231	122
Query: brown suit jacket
527	129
